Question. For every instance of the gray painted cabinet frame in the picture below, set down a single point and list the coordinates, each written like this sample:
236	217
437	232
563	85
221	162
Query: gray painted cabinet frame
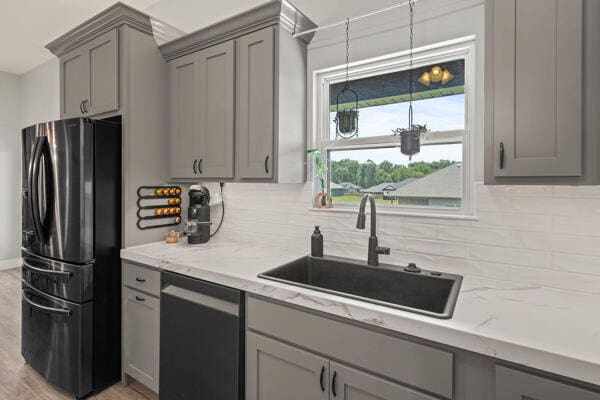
202	106
89	77
542	91
255	105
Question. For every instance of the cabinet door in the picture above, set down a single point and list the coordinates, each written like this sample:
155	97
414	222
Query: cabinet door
516	385
275	371
255	108
350	384
217	110
103	70
141	316
184	142
537	87
73	83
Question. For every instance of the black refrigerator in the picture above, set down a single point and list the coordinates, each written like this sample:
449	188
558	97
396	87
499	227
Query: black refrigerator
71	238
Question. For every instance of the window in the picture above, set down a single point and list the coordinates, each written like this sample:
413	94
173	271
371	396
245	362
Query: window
438	179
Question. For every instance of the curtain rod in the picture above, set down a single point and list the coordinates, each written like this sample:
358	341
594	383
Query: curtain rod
319	28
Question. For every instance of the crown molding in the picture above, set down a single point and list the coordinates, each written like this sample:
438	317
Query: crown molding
116	15
279	12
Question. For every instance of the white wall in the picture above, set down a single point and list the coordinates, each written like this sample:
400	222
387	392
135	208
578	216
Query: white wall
10	170
40	97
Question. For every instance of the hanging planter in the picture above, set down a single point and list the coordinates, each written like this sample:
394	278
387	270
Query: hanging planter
410	139
346	121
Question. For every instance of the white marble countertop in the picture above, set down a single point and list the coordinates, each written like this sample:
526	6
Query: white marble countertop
552	330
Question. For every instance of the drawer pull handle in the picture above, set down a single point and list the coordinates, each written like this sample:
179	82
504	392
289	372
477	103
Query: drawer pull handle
321	378
49	310
267	164
200	166
501	155
194	167
140	298
333	389
140	279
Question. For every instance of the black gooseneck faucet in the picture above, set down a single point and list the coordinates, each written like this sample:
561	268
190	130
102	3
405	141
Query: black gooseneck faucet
374	249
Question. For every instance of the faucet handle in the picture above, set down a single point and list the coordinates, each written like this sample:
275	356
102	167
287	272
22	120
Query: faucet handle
382	250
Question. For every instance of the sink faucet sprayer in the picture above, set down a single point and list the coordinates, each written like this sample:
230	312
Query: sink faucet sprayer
374	249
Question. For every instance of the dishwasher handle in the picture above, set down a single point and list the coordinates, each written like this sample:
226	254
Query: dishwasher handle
202	299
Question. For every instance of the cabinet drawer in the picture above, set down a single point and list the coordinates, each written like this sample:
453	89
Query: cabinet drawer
143	279
512	384
417	365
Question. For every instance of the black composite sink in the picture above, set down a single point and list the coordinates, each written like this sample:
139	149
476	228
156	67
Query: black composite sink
425	292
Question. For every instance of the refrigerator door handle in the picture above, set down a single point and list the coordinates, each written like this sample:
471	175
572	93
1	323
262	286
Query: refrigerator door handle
43	271
34	165
50	310
41	226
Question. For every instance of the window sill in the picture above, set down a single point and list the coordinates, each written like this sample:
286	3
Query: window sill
461	217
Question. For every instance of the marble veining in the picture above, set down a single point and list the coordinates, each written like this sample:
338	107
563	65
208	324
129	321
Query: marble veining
548	329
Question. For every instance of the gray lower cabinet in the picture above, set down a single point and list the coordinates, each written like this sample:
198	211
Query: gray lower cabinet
202	105
512	384
255	107
141	324
89	77
276	371
350	384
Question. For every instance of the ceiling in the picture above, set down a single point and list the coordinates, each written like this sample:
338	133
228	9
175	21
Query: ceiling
26	26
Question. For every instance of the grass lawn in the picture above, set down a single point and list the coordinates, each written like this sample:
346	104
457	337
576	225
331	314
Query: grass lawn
355	199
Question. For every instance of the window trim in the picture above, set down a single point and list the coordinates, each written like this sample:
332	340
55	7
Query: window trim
463	48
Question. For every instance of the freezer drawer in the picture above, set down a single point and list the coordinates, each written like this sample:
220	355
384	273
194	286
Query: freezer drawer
201	340
64	280
57	340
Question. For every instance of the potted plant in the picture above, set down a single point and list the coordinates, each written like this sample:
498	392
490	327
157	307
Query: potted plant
410	139
322	199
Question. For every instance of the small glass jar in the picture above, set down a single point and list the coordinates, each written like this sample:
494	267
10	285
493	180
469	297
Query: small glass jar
172	237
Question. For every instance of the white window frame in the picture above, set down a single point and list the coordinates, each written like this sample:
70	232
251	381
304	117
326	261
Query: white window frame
462	48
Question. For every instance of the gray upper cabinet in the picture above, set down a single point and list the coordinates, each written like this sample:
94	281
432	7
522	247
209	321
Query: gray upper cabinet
350	384
255	79
276	371
202	107
102	54
184	143
89	77
536	126
249	122
73	83
512	384
217	104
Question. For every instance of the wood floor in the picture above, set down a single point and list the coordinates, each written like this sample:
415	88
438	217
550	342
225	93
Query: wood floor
17	380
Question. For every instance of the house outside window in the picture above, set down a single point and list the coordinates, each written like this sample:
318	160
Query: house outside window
439	179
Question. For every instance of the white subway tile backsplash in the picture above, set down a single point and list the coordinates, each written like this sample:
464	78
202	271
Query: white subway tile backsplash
505	255
473	235
544	235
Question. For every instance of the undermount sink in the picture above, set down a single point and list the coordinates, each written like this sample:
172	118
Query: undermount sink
425	292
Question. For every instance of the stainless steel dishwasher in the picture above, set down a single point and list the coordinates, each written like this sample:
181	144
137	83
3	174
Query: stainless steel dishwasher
201	340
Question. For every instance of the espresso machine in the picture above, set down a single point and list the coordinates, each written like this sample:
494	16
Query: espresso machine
198	224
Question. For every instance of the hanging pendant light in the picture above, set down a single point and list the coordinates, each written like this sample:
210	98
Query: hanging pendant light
410	138
346	120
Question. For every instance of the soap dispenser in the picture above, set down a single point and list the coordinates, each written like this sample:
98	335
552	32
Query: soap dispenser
316	243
